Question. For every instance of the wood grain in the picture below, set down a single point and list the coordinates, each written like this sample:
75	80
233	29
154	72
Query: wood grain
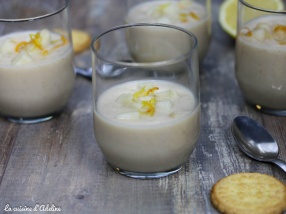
8	133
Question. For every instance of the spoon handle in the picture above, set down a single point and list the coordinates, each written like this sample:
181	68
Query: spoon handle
84	72
280	163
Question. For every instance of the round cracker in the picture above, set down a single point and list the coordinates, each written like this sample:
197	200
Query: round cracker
81	40
249	193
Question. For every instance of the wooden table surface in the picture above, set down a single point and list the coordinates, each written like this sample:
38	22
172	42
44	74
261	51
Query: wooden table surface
59	163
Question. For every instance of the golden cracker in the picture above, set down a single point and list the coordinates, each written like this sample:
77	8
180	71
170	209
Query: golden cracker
249	193
81	40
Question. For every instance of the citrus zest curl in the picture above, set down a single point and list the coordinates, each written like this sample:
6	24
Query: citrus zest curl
36	41
147	106
194	16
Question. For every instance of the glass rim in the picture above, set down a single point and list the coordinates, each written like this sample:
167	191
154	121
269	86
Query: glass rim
38	17
145	64
261	8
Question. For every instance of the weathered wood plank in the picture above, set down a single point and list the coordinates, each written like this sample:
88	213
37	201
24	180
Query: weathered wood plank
8	136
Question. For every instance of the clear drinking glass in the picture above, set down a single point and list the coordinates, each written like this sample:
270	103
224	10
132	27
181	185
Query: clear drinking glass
192	15
261	57
36	59
146	98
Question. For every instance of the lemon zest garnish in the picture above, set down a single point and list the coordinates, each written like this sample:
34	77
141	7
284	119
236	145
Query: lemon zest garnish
139	93
36	41
20	46
152	90
45	52
194	16
178	11
246	32
145	102
64	41
280	34
147	106
280	28
183	17
249	34
142	92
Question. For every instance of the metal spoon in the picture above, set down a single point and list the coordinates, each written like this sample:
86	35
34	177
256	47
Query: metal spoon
84	72
255	141
105	71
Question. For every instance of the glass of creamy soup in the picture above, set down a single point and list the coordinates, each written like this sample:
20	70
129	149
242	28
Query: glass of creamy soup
36	59
261	57
192	15
146	114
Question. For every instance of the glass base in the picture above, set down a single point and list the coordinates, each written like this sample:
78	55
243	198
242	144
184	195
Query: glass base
29	120
146	175
275	112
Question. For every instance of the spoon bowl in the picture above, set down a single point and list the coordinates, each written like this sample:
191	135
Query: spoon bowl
84	72
107	71
255	141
